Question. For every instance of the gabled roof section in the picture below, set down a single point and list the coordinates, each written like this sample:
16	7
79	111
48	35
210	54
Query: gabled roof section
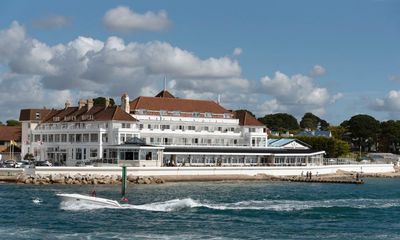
176	104
282	142
165	94
8	133
33	114
246	119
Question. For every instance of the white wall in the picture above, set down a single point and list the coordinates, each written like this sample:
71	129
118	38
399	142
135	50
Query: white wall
197	171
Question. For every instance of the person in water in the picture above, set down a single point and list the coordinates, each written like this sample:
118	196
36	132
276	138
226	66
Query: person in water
94	193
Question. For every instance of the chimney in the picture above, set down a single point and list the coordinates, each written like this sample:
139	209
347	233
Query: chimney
81	103
107	102
125	103
67	104
89	103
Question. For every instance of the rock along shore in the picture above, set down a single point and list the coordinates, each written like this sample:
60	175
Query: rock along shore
79	179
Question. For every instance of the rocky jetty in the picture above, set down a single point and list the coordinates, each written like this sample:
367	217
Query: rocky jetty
79	179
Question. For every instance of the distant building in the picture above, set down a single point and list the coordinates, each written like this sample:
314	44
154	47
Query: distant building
315	133
10	142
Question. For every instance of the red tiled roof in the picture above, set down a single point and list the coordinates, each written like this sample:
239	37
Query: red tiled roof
33	114
8	133
246	119
96	113
176	104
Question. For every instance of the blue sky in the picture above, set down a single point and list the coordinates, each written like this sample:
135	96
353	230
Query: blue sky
333	58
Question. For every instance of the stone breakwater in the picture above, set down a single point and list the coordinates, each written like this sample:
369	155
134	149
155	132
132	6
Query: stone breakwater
79	179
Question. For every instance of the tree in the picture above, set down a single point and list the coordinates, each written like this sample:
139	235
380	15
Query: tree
389	140
13	122
102	101
310	121
333	147
245	110
281	122
364	131
338	132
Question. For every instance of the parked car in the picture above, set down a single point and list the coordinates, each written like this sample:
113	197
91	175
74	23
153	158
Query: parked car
9	163
23	164
43	163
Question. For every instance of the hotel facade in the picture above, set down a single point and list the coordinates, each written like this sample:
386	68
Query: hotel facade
156	131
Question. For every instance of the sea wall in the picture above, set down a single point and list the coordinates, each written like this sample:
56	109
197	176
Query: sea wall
217	171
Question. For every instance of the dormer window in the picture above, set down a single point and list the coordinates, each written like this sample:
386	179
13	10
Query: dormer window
208	115
196	114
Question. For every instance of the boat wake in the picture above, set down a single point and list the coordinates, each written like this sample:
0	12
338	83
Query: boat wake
267	205
37	200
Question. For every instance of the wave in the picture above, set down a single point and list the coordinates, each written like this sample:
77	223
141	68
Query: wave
37	201
267	205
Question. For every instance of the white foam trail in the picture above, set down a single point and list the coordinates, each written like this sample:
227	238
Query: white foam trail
168	206
37	200
269	205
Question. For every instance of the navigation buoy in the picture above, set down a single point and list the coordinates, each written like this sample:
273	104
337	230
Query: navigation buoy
124	200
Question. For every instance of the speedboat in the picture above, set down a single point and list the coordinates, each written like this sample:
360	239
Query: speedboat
79	198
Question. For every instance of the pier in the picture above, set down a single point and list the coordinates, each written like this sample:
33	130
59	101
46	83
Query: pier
321	180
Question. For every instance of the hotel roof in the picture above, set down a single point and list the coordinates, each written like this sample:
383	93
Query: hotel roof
167	102
246	119
95	113
8	133
33	114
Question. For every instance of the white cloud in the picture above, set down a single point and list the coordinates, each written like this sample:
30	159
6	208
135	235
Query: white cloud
390	103
237	51
317	70
296	94
54	21
123	19
336	97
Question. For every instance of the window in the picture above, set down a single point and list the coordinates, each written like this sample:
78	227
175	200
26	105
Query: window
140	126
78	154
104	137
164	127
44	138
56	137
37	137
94	137
191	128
208	115
181	127
126	125
63	137
37	115
122	138
72	137
85	137
128	137
196	114
93	153
78	137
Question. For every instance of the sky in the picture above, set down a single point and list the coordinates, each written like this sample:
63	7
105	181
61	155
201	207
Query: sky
335	59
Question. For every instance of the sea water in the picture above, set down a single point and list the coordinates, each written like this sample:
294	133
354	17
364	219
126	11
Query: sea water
206	210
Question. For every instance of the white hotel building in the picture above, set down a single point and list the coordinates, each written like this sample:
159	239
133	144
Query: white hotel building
155	131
